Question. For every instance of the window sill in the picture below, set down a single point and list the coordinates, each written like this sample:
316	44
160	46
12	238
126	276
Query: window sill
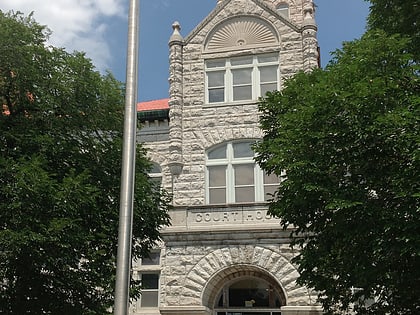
236	103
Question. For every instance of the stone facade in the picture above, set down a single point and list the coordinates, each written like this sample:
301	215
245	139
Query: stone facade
210	246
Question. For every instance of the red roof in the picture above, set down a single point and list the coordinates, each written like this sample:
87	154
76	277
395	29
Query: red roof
153	105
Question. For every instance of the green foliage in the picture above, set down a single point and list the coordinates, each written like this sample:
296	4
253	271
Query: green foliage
60	166
398	17
347	138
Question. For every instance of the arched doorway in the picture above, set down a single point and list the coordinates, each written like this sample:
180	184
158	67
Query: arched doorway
248	290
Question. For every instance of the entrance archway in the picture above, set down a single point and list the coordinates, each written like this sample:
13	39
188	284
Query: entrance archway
244	290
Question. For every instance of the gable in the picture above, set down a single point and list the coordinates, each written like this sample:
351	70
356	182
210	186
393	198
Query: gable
237	9
240	32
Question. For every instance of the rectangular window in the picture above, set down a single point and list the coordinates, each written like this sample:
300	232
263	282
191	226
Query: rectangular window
217	184
271	183
242	84
268	79
150	290
152	260
148	272
216	86
241	78
244	183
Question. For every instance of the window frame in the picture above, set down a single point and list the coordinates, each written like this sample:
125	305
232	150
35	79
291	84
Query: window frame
154	291
229	161
227	67
150	266
155	174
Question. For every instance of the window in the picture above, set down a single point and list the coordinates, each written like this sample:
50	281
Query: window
150	290
149	271
152	260
155	174
283	9
241	78
233	176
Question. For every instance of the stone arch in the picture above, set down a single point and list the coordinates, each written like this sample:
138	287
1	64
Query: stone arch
208	274
230	274
216	136
157	158
240	32
162	161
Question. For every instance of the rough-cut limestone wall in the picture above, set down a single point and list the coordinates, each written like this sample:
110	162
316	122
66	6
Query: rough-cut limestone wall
195	126
204	126
190	270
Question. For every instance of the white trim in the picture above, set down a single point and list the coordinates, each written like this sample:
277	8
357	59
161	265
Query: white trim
228	69
230	161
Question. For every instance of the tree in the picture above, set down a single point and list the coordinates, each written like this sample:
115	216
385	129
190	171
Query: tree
398	17
60	163
347	140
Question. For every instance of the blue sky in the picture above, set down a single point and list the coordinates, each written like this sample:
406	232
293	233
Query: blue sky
99	27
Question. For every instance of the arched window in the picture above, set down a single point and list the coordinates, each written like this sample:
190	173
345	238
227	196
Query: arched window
234	177
283	9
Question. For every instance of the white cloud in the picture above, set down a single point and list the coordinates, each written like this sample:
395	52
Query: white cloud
76	24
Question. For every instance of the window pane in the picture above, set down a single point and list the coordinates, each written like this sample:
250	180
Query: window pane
268	74
153	259
244	174
217	176
268	58
268	88
215	63
216	95
149	281
242	149
237	61
271	179
242	76
149	298
244	194
218	153
157	180
216	78
242	93
155	169
269	191
217	195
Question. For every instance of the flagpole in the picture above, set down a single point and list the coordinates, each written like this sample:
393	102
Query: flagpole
122	282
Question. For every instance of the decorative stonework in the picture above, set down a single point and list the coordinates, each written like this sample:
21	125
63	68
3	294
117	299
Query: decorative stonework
241	32
209	246
205	279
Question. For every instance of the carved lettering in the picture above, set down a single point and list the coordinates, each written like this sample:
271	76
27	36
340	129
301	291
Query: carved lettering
231	217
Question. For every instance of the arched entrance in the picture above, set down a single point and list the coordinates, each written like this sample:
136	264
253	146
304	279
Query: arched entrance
244	290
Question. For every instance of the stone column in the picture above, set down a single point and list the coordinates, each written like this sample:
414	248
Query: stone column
310	43
175	101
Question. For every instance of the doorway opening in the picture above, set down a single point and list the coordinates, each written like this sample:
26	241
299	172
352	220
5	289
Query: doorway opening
249	296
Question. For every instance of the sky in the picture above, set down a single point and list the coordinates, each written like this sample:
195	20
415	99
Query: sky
99	28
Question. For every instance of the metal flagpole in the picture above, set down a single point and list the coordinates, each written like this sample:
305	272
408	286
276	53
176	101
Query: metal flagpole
122	282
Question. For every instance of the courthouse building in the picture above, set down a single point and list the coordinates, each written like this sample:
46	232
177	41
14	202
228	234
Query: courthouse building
223	255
